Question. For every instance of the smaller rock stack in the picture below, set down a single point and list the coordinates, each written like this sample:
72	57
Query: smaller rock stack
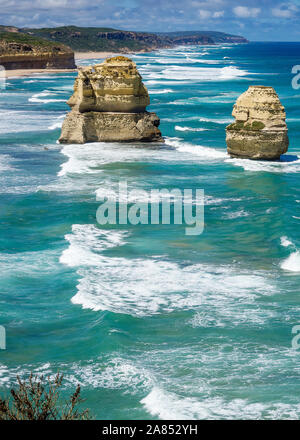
109	105
259	131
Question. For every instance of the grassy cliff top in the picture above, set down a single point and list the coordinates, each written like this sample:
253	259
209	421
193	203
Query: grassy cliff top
216	36
99	38
17	42
109	39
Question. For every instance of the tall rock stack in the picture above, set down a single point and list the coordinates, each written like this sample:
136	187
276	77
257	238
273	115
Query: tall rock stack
109	105
259	131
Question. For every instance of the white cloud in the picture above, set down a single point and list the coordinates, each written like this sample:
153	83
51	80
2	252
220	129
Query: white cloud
218	14
246	12
284	11
204	14
207	3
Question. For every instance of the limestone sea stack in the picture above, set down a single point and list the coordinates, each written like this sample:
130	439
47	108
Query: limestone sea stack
259	131
109	105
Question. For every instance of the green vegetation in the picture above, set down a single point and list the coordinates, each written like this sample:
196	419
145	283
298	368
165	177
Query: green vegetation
38	398
99	39
256	126
111	40
36	43
214	36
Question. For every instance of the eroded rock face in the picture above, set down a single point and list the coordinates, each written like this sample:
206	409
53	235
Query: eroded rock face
32	55
109	104
260	130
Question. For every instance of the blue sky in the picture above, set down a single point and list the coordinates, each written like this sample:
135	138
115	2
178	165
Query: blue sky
255	19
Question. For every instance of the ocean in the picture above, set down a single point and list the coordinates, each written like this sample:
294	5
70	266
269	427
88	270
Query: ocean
151	322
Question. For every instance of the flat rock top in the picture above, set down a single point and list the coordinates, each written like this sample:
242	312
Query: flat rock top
259	96
116	67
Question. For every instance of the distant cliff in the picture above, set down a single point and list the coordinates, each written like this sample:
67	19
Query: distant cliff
101	39
22	51
53	47
113	40
202	37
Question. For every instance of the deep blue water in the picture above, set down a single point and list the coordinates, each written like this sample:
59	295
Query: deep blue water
151	322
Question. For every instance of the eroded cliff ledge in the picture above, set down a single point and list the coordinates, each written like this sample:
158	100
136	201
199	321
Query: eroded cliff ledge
21	51
109	105
260	130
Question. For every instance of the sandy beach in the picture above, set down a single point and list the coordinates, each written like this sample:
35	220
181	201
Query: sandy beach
91	55
78	56
29	72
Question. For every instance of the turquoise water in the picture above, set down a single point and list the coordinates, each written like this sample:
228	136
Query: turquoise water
151	322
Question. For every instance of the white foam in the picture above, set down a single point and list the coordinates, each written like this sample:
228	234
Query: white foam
160	92
285	242
97	239
6	163
292	263
90	158
171	406
55	125
218	98
117	373
80	161
216	121
15	121
198	74
281	166
179	128
111	372
38	97
32	263
147	286
198	118
197	150
182	119
237	214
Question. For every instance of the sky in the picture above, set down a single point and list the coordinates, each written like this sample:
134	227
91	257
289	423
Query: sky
257	20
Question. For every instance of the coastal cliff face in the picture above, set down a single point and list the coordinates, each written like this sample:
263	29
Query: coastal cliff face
202	37
114	40
20	51
260	130
109	104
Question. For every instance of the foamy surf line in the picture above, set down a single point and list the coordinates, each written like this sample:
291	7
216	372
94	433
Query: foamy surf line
148	286
28	121
281	166
90	158
170	406
160	92
292	262
195	74
110	372
220	121
179	128
6	163
39	97
197	150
